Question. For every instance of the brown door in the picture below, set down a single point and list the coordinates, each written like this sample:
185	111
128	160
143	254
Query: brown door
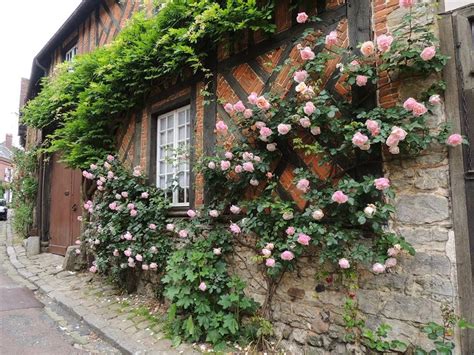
64	228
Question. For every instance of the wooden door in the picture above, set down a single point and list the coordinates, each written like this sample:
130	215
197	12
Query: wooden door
64	227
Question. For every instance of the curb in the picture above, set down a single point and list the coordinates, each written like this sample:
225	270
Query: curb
111	336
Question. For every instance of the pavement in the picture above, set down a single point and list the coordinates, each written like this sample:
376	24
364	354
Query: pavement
47	310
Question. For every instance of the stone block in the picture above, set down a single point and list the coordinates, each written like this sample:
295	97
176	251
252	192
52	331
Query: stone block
32	246
73	261
421	208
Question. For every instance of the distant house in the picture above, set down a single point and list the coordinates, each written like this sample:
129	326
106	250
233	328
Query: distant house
6	169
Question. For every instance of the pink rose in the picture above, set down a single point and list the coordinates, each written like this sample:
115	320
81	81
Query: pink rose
93	166
378	268
170	227
262	103
290	230
153	266
116	253
153	250
428	53
354	65
238	169
409	104
302	17
128	236
406	3
191	213
315	131
435	100
283	128
399	133
331	38
93	269
213	213
221	127
247	156
393	252
110	158
145	267
99	183
382	183
234	228
265	132
229	108
183	233
152	226
211	165
128	252
225	165
361	80
287	215
217	251
110	175
130	206
118	196
384	42
266	252
253	98
287	255
305	122
248	113
139	257
373	127
271	147
307	54
317	214
107	166
454	140
144	195
254	182
202	286
390	262
113	206
340	197
239	107
260	124
235	209
303	185
137	172
309	108
394	150
248	166
124	194
270	246
419	109
367	48
344	263
303	239
133	213
300	76
360	140
270	262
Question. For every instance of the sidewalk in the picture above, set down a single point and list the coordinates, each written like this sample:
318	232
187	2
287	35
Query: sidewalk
124	321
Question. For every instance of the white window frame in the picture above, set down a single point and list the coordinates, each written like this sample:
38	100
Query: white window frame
70	54
161	160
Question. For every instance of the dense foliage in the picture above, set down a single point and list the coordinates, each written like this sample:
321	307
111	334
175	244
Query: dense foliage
87	98
24	187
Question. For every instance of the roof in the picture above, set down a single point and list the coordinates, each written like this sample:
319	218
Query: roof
5	153
42	60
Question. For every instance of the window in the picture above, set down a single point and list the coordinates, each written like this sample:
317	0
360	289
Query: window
173	135
70	54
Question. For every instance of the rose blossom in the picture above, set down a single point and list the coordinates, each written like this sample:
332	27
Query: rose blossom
301	87
202	286
373	127
409	104
238	169
213	213
221	127
145	267
211	165
116	253
139	257
382	183
153	266
317	215
378	268
340	197
128	252
399	133
394	150
262	103
360	140
303	239
118	196
331	38
344	263
234	228
248	113
133	213
260	124
315	131
287	216
384	42
303	185
361	80
191	213
354	65
99	183
406	3
225	165
248	166
271	147
270	246
265	132
93	269
300	76
170	227
370	210
454	140
307	54
269	175
254	182
110	175
113	206
130	206
247	156
235	209
110	158
239	107
287	255
144	195
428	53
229	108
283	128
153	250
367	48
270	262
128	236
183	233
152	226
390	262
435	100
309	108
419	109
217	251
107	166
305	122
252	98
302	17
125	194
393	252
266	252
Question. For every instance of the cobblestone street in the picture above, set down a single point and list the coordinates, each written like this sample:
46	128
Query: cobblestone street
122	320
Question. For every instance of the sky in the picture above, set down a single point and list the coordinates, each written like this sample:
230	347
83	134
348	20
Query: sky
25	27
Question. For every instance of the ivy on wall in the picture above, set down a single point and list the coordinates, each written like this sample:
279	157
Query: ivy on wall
86	99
